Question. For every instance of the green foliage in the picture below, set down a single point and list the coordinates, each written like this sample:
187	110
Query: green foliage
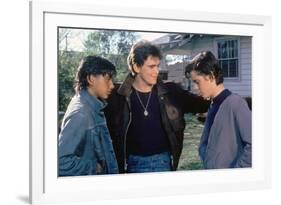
68	63
99	43
112	45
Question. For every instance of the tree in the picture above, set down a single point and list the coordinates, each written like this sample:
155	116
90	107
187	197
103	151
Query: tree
68	61
99	42
67	66
113	45
64	35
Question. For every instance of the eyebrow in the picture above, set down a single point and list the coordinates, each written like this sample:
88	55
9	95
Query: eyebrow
152	65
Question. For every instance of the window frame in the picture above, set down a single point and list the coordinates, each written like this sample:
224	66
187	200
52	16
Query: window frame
220	39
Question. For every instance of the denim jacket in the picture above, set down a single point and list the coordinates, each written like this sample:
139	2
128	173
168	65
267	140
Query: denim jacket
85	146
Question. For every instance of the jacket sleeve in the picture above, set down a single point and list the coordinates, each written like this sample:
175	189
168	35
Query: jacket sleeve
195	103
192	103
243	121
75	149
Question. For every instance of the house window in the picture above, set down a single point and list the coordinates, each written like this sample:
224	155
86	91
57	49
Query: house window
228	57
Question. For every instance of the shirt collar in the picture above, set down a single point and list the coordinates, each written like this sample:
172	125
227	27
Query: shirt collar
220	97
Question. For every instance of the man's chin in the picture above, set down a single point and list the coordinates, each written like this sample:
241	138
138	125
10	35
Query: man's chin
104	97
206	97
153	83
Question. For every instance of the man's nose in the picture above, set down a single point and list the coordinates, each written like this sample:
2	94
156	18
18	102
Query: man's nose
111	85
157	69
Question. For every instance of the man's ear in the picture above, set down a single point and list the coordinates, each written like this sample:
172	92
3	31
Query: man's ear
208	77
136	69
212	77
91	79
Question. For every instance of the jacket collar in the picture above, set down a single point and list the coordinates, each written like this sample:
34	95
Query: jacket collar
126	87
162	88
95	104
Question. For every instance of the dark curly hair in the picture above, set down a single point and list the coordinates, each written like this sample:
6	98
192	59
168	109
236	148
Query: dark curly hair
206	63
92	65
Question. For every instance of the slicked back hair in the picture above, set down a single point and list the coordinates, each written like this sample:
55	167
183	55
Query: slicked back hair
140	52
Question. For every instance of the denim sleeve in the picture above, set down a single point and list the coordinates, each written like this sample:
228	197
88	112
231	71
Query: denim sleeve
75	147
244	125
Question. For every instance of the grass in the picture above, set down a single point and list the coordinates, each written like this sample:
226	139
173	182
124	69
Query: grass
189	159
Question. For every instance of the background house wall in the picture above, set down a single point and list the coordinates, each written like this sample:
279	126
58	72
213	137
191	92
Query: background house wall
242	85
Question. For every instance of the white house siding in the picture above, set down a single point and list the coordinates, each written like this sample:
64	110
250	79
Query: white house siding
176	72
241	86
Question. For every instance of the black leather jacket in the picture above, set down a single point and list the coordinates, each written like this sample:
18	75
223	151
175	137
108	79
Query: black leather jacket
174	102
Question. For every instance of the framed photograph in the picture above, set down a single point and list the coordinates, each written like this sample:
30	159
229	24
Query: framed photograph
58	28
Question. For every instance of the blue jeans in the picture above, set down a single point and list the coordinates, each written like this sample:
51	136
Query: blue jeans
153	163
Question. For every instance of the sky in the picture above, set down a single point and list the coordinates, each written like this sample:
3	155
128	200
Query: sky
151	36
75	40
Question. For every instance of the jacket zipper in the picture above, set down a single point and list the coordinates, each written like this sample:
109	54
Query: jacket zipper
125	137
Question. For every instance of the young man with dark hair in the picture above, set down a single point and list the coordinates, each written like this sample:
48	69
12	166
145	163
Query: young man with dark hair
146	117
85	146
226	139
